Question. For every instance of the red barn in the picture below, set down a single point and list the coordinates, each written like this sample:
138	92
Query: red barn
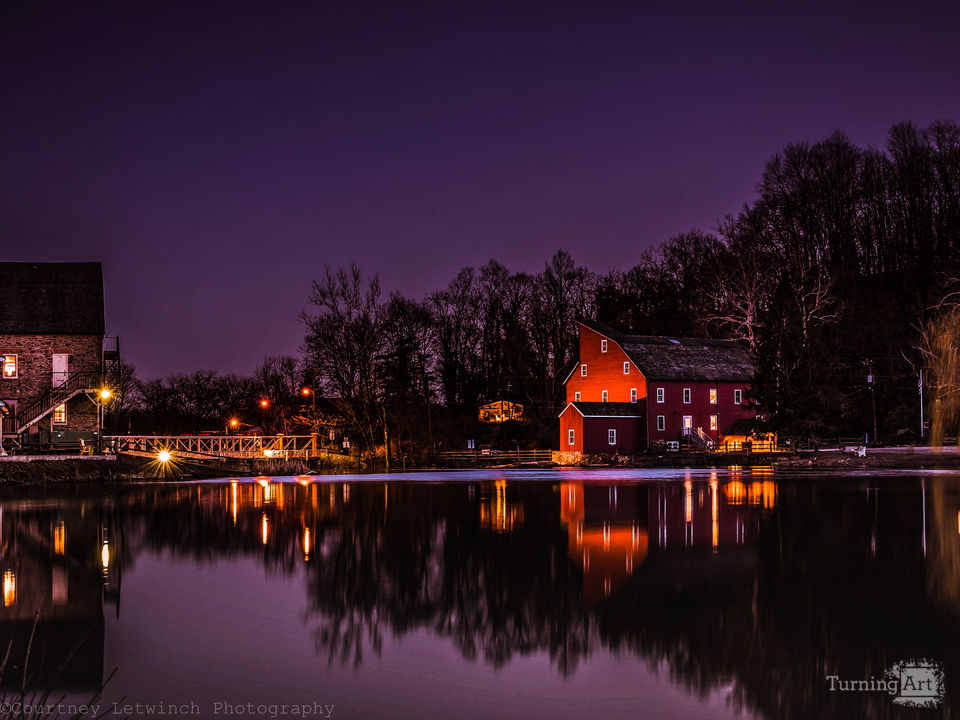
629	392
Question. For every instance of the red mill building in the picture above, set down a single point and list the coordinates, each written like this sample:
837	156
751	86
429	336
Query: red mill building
51	348
630	392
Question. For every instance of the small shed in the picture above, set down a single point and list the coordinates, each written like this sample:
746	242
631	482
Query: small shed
501	411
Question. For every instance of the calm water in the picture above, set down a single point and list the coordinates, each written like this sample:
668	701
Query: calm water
614	594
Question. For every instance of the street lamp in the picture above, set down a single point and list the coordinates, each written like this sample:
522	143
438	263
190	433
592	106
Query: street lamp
104	395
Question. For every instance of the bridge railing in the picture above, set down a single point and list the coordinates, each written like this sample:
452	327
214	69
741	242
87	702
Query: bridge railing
497	456
283	447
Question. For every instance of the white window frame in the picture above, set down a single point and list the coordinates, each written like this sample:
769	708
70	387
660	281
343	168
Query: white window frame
604	395
576	396
612	436
583	370
713	396
686	396
661	423
713	422
16	366
603	346
633	395
626	368
571	437
54	415
660	395
738	396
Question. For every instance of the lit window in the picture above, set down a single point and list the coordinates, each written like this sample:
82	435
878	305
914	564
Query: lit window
659	395
737	397
686	396
626	368
60	414
583	370
661	422
603	396
713	422
10	366
633	395
603	346
611	437
688	422
713	396
571	436
576	397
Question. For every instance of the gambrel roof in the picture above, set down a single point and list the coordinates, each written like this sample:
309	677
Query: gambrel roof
51	298
661	357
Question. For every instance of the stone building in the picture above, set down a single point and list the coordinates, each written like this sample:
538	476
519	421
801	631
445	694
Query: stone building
51	348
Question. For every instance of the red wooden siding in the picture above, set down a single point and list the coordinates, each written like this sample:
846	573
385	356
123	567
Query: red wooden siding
604	372
700	409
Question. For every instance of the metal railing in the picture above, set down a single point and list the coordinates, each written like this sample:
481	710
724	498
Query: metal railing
73	383
283	447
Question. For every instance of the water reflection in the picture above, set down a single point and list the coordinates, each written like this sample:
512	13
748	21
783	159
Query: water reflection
727	579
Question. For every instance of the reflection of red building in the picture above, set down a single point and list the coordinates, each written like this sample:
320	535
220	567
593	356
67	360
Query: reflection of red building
614	529
604	533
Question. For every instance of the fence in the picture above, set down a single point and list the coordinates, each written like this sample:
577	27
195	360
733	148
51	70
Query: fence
499	456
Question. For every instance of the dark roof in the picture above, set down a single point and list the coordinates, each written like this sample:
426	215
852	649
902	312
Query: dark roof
749	426
51	298
608	409
662	357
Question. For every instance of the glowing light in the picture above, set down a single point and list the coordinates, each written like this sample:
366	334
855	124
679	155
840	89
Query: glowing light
105	555
105	394
306	391
164	456
9	588
304	480
234	422
269	452
59	539
264	403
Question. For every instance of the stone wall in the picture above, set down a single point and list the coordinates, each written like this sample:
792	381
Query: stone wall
35	373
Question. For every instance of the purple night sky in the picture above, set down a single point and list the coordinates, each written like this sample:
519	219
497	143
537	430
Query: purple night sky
213	159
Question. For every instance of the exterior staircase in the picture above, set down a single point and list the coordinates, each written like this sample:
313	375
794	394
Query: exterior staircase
72	385
698	439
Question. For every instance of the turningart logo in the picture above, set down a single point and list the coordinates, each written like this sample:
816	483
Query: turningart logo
910	683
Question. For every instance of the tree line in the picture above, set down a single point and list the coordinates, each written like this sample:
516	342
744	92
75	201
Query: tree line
835	277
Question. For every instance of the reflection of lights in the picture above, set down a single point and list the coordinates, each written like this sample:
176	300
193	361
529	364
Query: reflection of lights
346	493
164	456
606	536
304	480
714	511
105	555
59	538
264	529
233	500
688	501
736	492
306	543
9	588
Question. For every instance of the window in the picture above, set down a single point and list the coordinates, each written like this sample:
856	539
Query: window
603	396
659	395
576	397
10	366
583	370
626	368
633	394
713	396
737	397
60	414
688	422
661	422
686	396
611	437
603	346
571	436
713	422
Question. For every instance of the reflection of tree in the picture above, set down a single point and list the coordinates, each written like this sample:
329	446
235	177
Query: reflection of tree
834	582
